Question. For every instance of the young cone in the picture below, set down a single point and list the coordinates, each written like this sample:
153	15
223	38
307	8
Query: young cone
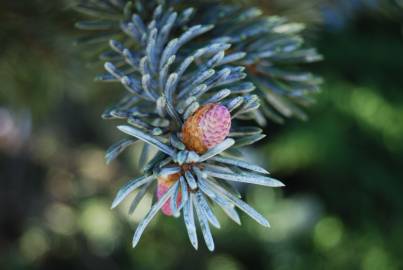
206	128
164	183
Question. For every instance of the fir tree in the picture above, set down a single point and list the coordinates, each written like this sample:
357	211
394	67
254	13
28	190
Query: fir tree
191	80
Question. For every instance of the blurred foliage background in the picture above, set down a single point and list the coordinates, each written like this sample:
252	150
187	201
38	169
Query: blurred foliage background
342	207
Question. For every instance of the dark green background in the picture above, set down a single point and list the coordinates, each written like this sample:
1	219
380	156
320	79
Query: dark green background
342	207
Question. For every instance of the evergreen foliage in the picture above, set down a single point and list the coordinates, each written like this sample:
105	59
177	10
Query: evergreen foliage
174	64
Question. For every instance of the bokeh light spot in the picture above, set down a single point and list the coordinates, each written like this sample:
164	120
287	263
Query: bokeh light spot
34	243
328	233
61	219
223	262
100	226
375	259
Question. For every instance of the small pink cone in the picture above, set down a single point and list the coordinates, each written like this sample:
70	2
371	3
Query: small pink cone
164	183
206	128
